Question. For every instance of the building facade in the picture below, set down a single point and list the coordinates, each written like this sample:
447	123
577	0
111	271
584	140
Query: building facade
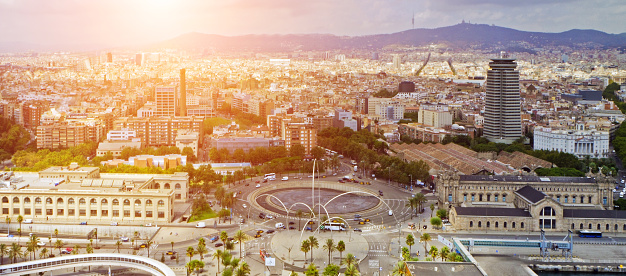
594	144
502	102
166	101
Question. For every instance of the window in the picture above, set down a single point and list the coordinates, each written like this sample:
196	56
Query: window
137	202
449	197
70	201
48	200
547	211
161	203
82	212
104	213
589	225
598	227
161	214
167	186
104	201
137	213
93	213
480	197
177	186
126	202
566	199
93	202
71	212
472	197
558	198
465	197
488	224
472	224
60	212
49	212
16	211
157	186
177	196
5	211
521	225
148	214
116	213
582	199
60	201
16	200
148	202
82	201
116	202
126	213
604	200
504	224
572	226
26	211
573	199
503	198
488	197
495	197
479	224
5	199
581	226
496	224
615	228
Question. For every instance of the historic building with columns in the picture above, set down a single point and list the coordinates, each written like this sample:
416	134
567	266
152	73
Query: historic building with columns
82	194
529	203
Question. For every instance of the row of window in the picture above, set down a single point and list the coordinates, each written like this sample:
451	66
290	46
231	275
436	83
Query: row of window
545	189
81	212
607	227
167	186
566	199
480	197
496	224
82	201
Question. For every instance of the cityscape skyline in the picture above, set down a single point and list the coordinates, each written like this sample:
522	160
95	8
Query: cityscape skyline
96	24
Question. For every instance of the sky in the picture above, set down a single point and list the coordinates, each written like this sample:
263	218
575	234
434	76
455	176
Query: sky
114	23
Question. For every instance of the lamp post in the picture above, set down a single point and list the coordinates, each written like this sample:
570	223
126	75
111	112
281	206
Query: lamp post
411	181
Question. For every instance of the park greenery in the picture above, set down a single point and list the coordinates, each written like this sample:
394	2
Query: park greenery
368	150
13	138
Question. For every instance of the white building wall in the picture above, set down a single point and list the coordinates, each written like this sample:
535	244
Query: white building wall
581	143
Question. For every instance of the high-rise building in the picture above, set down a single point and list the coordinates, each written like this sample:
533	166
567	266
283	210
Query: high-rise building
109	57
502	102
183	94
165	97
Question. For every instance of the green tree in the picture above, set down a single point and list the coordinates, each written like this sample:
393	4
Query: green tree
351	270
341	247
191	156
306	247
433	252
239	155
218	255
4	250
410	241
400	269
89	249
314	244
201	250
59	244
311	270
436	222
425	238
318	153
349	260
442	213
331	270
432	209
196	266
44	253
190	252
444	253
330	246
297	150
240	237
15	251
118	244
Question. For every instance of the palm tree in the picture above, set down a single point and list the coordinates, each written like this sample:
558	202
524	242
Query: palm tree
19	232
201	251
56	233
223	236
217	255
89	249
351	271
243	269
33	243
330	246
410	241
4	250
8	221
19	220
43	253
240	237
76	249
425	238
400	269
171	243
434	252
148	244
58	245
341	247
313	244
413	204
15	251
420	199
306	247
444	253
118	244
190	252
349	260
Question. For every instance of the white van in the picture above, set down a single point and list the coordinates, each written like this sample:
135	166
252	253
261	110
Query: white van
28	221
200	224
279	225
391	212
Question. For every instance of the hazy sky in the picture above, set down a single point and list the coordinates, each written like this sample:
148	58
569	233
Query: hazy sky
132	22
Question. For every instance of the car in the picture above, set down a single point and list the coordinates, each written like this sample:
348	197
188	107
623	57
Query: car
358	230
366	220
148	225
41	243
270	231
285	178
380	192
124	239
143	245
242	220
257	181
258	185
248	184
291	223
27	221
66	251
357	219
218	244
264	181
261	215
113	223
214	238
269	217
259	231
309	176
291	228
170	253
357	215
341	181
257	235
83	223
361	222
308	228
239	192
173	257
244	205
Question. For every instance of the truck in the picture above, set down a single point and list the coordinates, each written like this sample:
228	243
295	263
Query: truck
356	168
333	226
200	224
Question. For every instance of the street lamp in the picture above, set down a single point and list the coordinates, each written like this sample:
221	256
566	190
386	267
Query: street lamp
411	181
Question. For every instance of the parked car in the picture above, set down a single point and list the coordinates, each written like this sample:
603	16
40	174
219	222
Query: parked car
261	216
83	223
170	253
270	231
218	244
124	239
291	228
66	251
358	230
269	217
258	185
214	238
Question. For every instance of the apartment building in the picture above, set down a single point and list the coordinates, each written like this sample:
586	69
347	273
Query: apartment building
160	131
69	134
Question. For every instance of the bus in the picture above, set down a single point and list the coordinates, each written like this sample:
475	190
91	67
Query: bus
333	226
270	176
589	234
